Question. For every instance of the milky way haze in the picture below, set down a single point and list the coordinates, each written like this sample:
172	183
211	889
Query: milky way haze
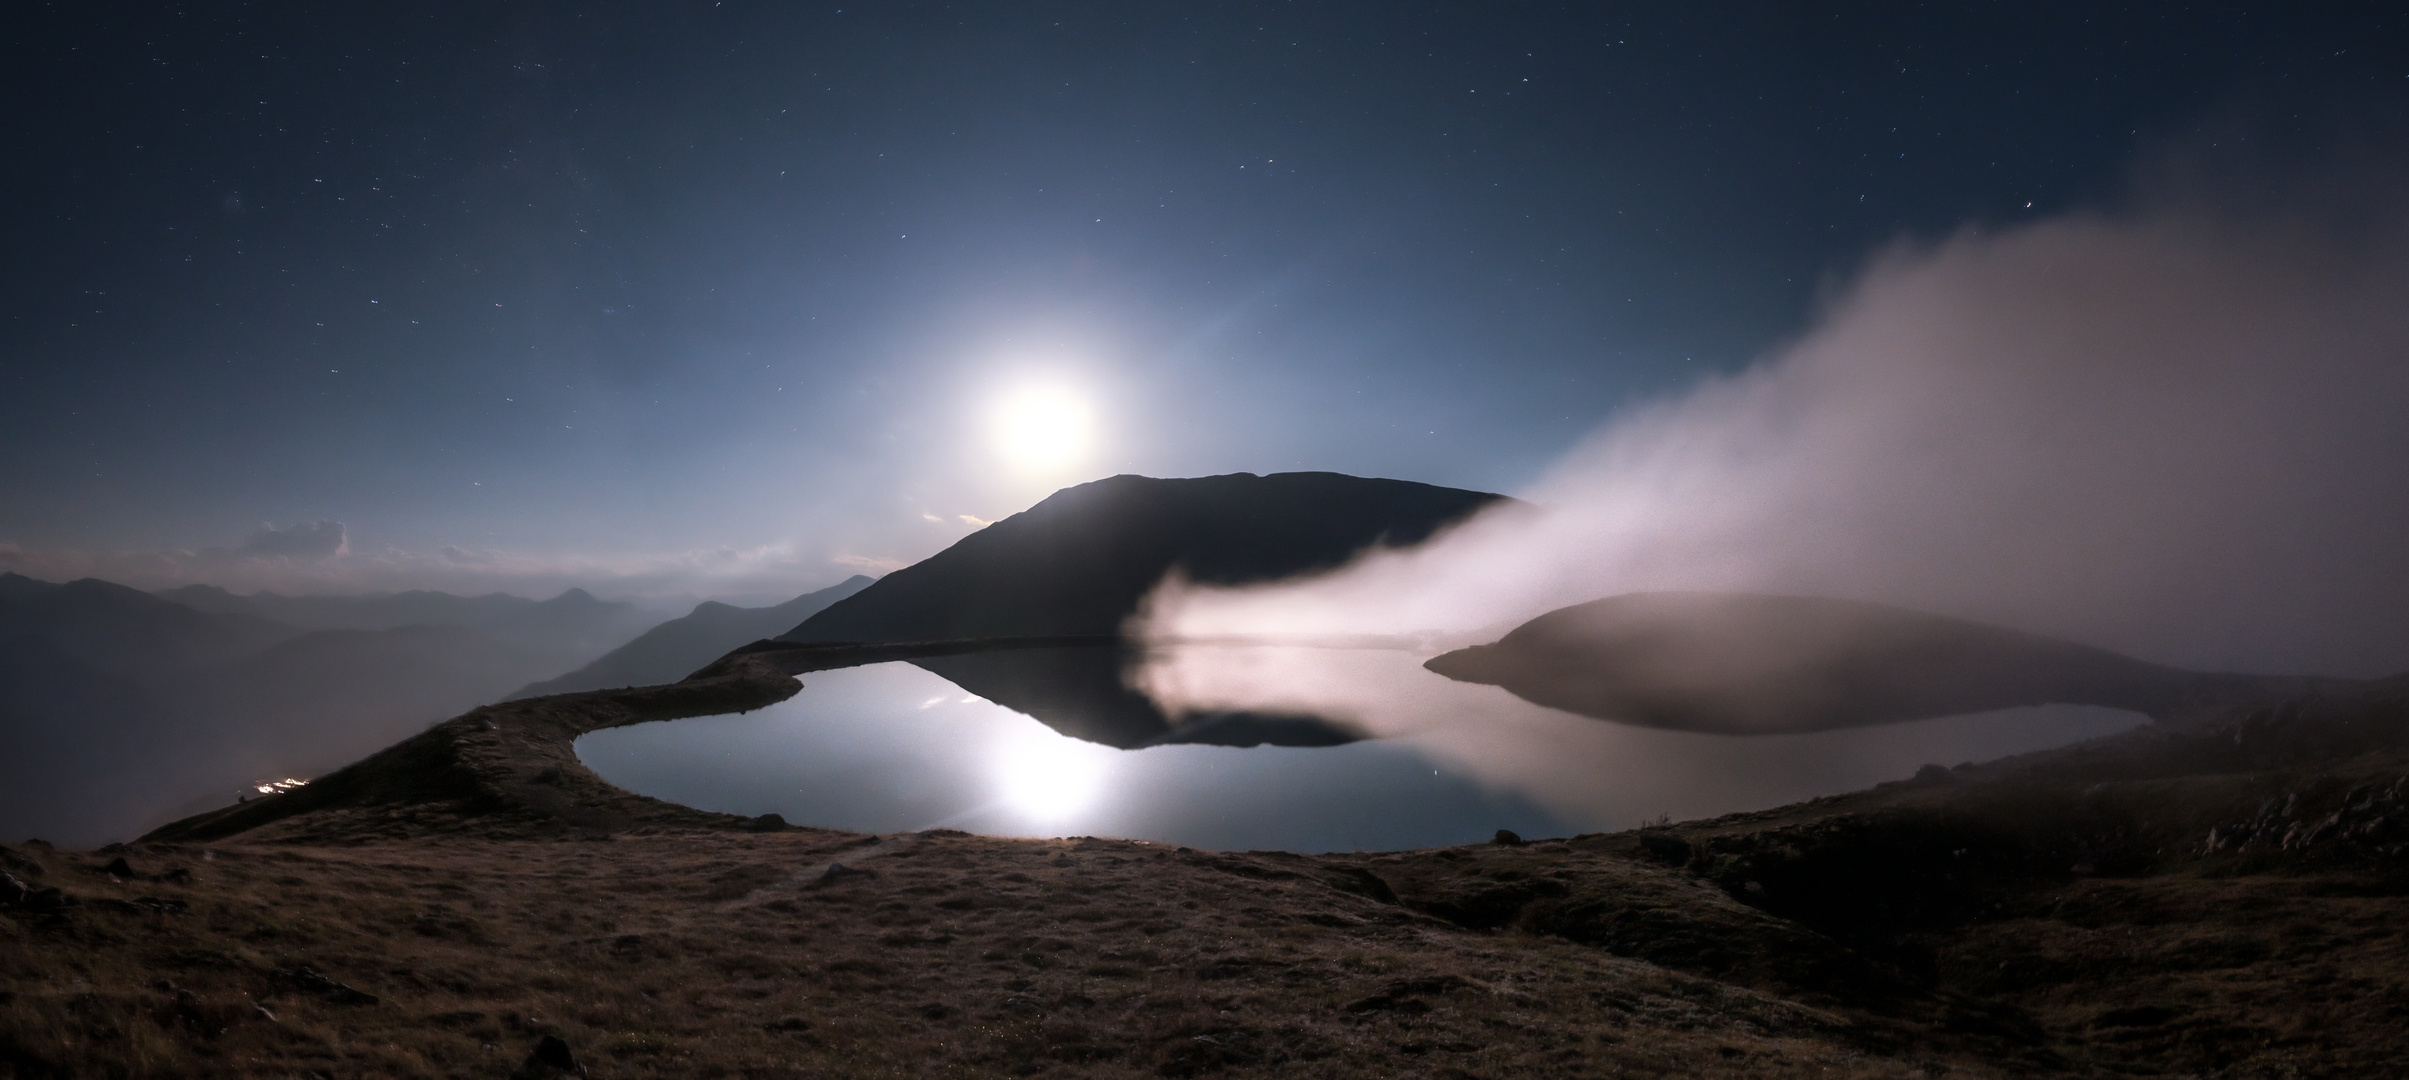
2177	433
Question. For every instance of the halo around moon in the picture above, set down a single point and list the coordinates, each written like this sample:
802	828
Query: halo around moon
1042	428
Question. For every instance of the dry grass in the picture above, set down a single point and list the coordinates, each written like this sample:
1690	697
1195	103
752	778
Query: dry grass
722	954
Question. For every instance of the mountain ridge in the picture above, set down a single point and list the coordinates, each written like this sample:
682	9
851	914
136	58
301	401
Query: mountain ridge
1079	562
674	649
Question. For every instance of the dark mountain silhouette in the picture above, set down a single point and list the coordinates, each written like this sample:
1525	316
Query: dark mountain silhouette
573	622
674	649
120	630
1078	563
1747	664
416	608
1080	693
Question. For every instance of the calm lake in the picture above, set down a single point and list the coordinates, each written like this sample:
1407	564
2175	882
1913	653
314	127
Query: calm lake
895	747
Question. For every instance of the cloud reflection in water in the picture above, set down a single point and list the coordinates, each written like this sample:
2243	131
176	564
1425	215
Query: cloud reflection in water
892	747
1592	774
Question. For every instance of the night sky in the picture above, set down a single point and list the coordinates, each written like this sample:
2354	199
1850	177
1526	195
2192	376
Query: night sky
722	299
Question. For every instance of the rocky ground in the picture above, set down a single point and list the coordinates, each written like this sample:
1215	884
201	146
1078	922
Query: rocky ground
2219	896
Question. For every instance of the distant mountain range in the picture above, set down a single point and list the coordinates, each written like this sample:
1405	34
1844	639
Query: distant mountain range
121	708
417	608
572	621
112	628
674	649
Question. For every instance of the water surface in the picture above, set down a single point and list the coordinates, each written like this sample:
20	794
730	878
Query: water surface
895	747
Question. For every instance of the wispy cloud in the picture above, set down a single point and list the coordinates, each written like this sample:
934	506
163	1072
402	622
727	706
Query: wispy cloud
870	564
305	541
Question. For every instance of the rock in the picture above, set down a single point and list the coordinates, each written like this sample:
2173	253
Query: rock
1507	837
118	867
312	981
766	823
13	890
1401	996
1935	774
838	872
13	861
1664	846
147	905
1363	883
789	1026
550	1058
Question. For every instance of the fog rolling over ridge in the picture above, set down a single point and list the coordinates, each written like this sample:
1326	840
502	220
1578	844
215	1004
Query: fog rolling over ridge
2174	434
1753	664
2177	435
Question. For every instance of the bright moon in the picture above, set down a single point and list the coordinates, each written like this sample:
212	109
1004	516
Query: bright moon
1043	427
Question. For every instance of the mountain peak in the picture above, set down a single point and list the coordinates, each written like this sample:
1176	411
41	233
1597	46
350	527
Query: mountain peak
1078	562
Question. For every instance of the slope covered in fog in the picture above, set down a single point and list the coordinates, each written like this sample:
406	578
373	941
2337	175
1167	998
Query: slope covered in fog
119	708
1750	664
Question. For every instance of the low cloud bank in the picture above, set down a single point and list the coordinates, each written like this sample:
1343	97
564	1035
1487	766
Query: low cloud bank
303	541
2177	433
317	558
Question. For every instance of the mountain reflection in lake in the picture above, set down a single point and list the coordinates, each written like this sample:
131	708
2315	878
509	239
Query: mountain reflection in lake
893	747
1083	693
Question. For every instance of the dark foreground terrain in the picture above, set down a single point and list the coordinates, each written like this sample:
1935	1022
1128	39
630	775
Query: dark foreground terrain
2217	895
